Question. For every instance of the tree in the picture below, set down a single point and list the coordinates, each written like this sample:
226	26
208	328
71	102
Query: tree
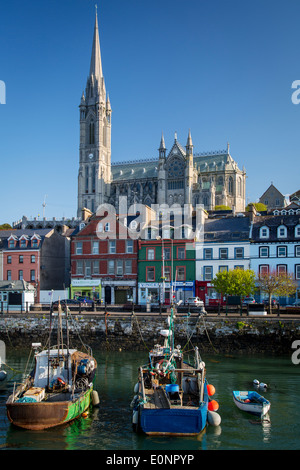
273	283
259	206
5	227
237	282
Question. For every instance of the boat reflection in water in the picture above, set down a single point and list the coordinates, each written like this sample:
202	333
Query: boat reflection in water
58	389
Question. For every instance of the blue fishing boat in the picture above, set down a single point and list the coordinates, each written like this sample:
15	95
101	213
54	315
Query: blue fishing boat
172	394
251	402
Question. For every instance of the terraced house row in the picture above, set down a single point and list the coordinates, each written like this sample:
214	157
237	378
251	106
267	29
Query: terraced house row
110	262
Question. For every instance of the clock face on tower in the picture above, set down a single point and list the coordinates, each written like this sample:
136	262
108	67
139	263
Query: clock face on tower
176	168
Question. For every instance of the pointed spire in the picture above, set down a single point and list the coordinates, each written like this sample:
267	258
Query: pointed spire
96	65
162	143
162	147
189	142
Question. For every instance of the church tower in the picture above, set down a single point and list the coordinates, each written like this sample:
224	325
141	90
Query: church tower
94	177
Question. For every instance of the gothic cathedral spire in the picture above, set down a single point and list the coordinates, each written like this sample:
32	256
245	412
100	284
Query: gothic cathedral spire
94	175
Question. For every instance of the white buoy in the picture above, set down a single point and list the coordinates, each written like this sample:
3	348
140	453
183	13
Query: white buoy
263	386
95	398
256	382
135	417
213	418
2	375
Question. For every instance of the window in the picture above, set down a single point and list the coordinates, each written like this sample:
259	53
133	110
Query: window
263	269
34	243
8	275
107	227
128	266
239	267
239	253
223	253
23	243
263	251
281	231
297	231
9	260
112	246
20	275
79	267
79	248
119	267
264	232
208	253
180	273
21	258
95	248
87	268
150	253
129	246
281	251
95	266
223	268
32	258
32	275
11	243
167	273
181	252
297	251
167	253
111	266
281	269
150	273
297	271
208	273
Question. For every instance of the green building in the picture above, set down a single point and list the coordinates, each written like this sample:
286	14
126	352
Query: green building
166	271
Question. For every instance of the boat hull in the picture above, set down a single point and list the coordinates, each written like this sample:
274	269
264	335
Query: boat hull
177	422
43	415
258	409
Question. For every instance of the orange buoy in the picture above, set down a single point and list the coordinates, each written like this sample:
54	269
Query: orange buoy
211	390
85	414
213	405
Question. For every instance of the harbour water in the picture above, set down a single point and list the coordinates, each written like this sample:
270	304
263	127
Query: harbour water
108	427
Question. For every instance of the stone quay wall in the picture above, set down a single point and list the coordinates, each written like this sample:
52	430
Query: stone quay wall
138	332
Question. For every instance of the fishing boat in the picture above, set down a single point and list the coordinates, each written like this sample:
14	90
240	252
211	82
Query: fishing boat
172	396
251	402
58	389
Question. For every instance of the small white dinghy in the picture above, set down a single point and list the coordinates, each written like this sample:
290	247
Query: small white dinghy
251	402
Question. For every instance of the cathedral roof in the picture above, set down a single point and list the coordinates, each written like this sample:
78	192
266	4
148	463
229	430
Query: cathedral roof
134	170
140	169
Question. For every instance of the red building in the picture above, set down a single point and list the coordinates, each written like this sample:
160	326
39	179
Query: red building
35	256
103	262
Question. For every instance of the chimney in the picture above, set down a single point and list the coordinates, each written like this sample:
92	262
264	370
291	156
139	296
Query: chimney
252	212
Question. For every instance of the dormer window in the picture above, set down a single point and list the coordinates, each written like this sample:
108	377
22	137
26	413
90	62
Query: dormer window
264	232
282	231
34	242
11	243
23	243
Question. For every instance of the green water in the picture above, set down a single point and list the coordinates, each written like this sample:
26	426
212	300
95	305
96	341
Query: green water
109	426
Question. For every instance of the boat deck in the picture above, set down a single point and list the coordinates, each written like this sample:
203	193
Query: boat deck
157	399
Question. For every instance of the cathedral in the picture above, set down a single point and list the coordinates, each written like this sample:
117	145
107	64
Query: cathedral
179	176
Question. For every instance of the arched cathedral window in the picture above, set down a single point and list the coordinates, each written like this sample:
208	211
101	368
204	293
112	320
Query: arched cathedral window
230	185
92	133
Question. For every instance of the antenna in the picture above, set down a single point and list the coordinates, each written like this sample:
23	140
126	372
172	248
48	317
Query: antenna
44	205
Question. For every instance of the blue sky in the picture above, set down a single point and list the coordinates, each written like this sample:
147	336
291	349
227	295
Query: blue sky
223	69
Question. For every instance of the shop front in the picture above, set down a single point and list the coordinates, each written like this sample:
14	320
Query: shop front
162	292
118	292
86	288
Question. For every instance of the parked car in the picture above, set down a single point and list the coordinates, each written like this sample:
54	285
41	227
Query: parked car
248	300
274	302
295	304
63	302
85	300
194	302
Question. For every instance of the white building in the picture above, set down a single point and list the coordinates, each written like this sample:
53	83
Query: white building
225	246
275	246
